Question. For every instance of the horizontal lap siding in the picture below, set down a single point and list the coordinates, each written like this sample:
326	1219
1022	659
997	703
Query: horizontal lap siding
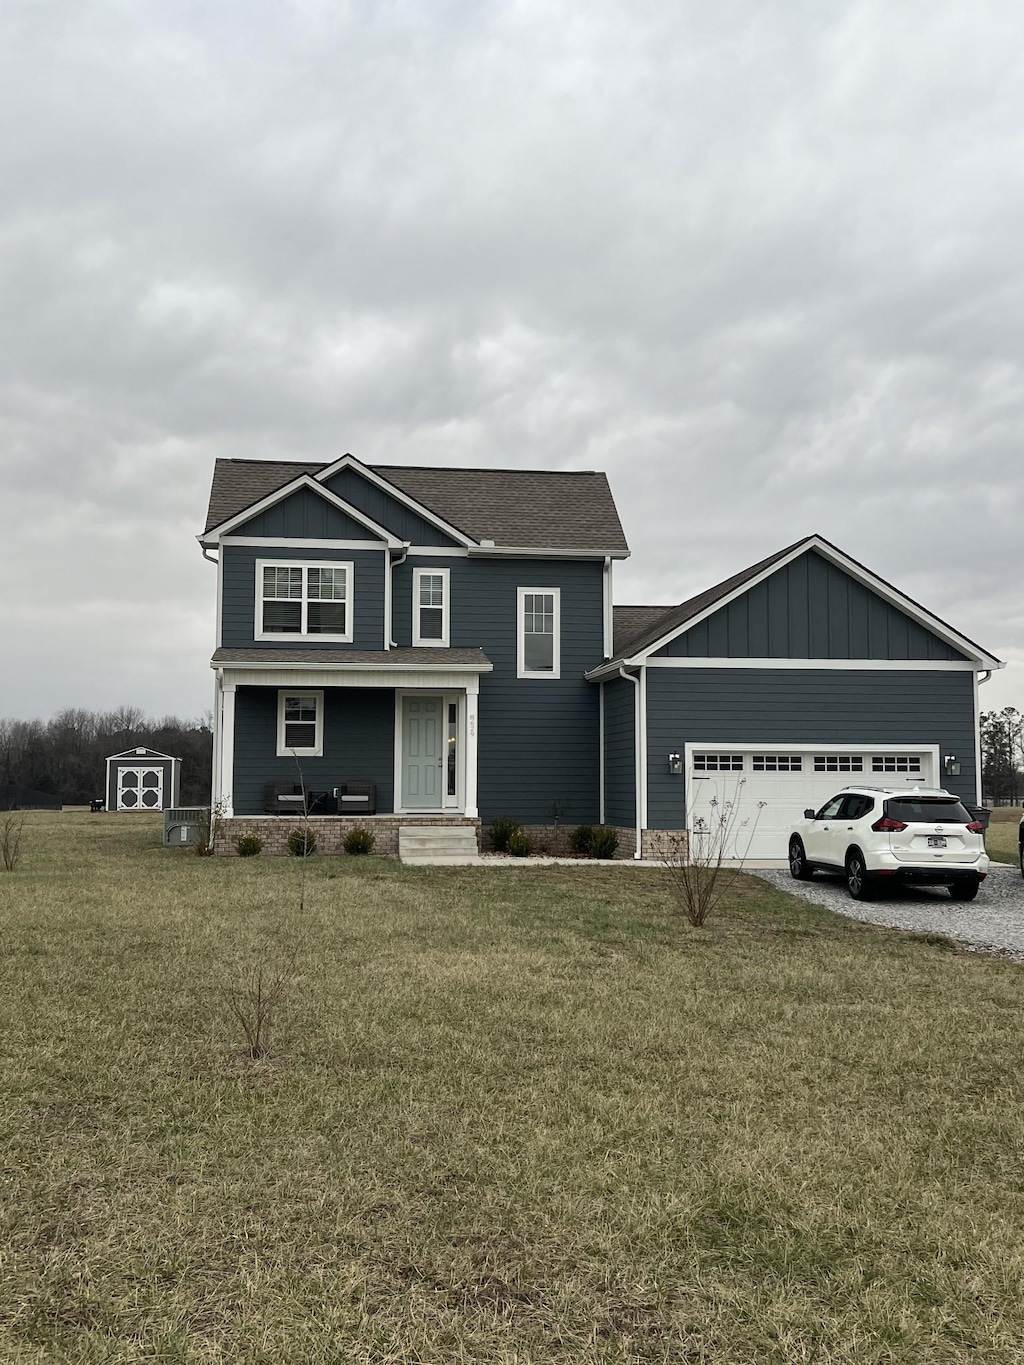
359	745
239	606
619	753
767	706
809	609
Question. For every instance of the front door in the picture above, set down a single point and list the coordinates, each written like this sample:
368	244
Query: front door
423	749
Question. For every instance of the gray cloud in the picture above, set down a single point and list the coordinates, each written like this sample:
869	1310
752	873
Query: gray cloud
760	261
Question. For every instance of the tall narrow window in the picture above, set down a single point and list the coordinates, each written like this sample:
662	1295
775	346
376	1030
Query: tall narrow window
430	606
300	723
304	601
539	644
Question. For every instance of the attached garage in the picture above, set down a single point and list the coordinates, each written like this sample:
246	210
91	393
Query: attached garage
753	795
142	780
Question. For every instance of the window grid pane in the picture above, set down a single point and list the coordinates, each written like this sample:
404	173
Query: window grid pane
431	590
895	763
838	763
718	763
778	763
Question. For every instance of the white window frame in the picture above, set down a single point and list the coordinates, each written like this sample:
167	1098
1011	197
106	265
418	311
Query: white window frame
556	656
305	565
318	747
417	639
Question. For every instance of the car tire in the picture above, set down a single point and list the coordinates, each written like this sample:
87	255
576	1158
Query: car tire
858	883
964	890
798	868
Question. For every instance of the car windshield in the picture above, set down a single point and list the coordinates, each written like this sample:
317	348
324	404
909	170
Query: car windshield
923	810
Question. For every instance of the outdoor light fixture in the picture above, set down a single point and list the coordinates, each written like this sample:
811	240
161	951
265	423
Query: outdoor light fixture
675	764
951	765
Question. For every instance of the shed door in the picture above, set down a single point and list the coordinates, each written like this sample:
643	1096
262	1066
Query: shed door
140	788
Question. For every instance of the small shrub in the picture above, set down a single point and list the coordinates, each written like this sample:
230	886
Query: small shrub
12	827
581	841
605	843
248	845
302	843
519	844
359	840
502	830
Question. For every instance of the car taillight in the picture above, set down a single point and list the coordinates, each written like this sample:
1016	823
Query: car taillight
887	825
976	827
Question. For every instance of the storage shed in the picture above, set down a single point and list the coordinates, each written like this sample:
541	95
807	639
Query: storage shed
142	779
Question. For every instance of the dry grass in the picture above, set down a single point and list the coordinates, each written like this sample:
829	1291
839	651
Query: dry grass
1001	835
509	1118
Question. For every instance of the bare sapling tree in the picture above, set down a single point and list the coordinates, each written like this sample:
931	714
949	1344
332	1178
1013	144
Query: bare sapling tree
12	827
702	869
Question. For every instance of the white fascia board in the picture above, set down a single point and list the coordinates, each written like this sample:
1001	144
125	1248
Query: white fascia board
371	476
865	576
305	543
212	537
829	665
537	552
147	753
285	665
272	675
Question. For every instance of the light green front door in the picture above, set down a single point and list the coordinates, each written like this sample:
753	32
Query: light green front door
422	752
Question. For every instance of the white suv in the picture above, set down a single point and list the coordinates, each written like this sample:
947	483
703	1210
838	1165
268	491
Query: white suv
876	835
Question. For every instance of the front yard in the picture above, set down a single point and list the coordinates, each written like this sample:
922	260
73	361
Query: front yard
513	1115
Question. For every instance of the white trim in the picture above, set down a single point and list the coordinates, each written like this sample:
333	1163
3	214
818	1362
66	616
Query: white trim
639	742
977	741
305	679
290	751
215	774
521	669
538	552
141	752
304	543
445	575
600	750
220	598
837	665
608	615
642	765
864	576
227	749
471	747
305	564
437	551
388	599
386	668
350	462
211	537
448	805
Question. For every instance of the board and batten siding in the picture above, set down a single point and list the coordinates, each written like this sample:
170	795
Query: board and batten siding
239	601
794	706
359	745
809	609
308	515
381	507
619	752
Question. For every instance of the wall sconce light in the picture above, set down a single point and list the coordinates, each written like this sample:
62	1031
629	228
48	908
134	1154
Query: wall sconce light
951	765
675	765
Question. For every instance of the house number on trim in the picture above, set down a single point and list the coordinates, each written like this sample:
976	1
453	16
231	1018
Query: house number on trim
472	726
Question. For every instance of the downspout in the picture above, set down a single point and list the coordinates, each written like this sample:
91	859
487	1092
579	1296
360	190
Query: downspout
392	566
638	775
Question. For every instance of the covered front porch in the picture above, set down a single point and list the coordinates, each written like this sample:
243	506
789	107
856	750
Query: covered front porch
401	725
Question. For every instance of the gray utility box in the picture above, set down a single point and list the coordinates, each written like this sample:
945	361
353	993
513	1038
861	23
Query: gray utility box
184	825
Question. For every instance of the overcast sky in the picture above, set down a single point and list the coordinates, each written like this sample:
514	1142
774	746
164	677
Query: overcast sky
760	260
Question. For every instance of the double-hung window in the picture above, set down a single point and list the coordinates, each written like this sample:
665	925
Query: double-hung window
300	724
430	606
539	644
297	601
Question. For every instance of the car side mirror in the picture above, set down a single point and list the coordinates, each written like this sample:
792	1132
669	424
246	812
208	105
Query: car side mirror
809	814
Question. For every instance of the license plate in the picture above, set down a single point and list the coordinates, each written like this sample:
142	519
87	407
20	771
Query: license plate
936	841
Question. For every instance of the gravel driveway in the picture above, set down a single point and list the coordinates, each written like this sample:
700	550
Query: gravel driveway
992	923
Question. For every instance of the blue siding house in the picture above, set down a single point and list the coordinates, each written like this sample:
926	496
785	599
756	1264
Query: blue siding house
440	646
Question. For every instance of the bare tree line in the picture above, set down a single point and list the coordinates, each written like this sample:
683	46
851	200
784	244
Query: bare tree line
62	760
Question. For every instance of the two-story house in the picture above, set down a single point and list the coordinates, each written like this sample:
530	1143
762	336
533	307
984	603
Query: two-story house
441	645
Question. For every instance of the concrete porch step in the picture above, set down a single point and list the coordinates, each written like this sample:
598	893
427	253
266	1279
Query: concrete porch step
437	844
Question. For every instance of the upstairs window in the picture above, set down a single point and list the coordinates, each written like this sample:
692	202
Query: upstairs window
304	602
300	724
430	606
539	643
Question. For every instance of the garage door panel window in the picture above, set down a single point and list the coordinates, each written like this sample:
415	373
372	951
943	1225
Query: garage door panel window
838	763
718	763
778	763
896	763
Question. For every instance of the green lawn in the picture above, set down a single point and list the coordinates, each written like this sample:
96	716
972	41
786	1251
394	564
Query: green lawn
1001	837
513	1115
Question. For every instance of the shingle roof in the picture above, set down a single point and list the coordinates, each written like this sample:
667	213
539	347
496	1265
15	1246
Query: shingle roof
532	509
358	658
628	622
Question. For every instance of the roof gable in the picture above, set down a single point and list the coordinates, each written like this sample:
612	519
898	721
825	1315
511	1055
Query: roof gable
289	493
305	513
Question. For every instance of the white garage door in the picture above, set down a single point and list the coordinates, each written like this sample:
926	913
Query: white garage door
750	799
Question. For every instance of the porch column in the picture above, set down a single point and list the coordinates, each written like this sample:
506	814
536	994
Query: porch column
472	700
226	767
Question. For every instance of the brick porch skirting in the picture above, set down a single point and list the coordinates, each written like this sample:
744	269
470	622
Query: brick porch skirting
330	831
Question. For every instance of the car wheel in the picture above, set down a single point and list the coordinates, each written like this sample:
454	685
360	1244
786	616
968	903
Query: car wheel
857	882
965	890
798	868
